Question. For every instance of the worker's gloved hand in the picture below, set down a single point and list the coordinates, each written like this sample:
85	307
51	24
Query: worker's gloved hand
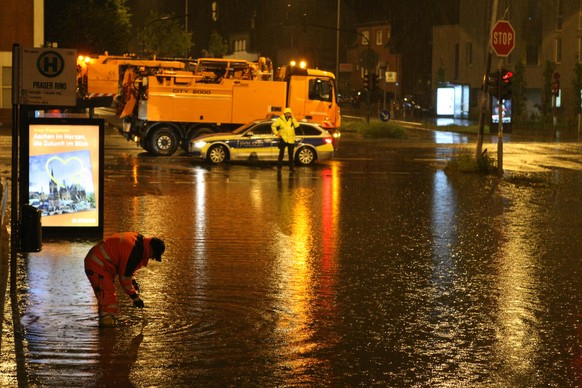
135	284
137	302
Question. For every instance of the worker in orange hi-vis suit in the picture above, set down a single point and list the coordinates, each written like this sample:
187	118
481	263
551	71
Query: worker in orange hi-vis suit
121	255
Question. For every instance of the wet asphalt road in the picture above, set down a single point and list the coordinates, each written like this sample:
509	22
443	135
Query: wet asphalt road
375	268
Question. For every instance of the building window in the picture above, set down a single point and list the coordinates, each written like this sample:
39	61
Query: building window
456	75
469	53
365	38
532	54
214	11
379	38
6	78
558	50
240	45
559	15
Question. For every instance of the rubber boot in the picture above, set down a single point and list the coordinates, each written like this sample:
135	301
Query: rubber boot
106	320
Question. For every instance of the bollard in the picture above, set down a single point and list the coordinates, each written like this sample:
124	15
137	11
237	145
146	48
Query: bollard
30	229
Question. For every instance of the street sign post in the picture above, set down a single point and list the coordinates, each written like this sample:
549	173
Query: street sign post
502	38
502	42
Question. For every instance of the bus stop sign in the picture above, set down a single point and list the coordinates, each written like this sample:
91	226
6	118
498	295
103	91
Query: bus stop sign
502	38
48	77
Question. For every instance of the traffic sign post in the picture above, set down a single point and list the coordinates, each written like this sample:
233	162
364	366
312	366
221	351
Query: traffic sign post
502	43
41	78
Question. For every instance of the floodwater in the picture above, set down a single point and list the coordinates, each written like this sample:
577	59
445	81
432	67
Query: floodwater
376	268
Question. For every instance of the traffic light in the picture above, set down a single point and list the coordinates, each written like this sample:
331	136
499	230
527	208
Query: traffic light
493	84
506	78
556	88
367	81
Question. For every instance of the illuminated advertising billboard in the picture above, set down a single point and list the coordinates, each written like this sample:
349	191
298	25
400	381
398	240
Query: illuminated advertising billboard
505	111
65	173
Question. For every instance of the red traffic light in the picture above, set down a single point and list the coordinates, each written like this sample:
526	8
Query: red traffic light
367	81
507	76
493	83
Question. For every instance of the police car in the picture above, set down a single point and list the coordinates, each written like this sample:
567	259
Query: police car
256	141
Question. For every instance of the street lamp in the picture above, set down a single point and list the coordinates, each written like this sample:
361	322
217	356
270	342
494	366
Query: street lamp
337	44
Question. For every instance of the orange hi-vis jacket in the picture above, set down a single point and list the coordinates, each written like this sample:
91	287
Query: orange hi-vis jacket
121	254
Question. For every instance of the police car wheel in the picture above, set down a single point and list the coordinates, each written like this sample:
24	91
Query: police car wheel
217	154
305	156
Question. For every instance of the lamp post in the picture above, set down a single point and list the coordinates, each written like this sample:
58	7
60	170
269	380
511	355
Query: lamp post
337	46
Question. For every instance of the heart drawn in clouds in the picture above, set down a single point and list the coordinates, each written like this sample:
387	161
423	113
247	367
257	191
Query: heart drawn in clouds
75	177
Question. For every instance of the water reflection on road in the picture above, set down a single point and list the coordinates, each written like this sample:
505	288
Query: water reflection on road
376	268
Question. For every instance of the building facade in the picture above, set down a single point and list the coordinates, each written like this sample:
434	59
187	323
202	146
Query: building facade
22	23
370	54
548	44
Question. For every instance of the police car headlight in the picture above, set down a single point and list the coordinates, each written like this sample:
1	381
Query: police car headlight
199	144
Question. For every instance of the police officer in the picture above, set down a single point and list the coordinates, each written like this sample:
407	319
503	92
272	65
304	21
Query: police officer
284	129
121	255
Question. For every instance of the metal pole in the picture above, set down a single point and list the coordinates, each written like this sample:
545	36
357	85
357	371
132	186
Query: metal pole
479	148
500	121
337	42
384	95
186	16
14	225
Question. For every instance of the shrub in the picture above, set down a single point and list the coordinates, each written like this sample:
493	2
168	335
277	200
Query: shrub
375	129
465	161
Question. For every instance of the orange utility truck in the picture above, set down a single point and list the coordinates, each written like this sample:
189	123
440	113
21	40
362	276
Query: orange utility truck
98	76
167	109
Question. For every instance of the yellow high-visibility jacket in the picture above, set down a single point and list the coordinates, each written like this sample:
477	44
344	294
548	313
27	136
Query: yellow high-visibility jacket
285	128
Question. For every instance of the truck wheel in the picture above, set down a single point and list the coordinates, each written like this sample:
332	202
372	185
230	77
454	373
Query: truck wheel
217	154
193	134
305	156
162	141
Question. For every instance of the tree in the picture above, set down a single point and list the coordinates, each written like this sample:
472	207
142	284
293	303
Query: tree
217	45
369	59
164	36
547	92
518	96
90	26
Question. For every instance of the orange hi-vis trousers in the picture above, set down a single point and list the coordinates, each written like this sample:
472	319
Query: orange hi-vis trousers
101	272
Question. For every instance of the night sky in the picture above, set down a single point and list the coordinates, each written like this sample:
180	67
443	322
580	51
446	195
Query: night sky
269	23
411	20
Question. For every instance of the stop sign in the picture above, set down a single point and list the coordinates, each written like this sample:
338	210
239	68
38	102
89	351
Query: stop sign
502	38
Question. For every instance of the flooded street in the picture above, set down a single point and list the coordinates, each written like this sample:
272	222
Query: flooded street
375	268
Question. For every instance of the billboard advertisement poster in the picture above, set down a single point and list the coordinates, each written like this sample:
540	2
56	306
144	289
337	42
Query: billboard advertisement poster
65	172
505	111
